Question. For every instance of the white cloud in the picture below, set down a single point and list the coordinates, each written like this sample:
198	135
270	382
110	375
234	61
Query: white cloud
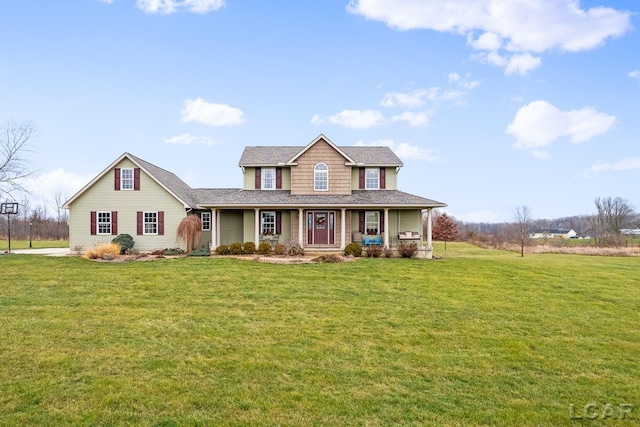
210	113
167	7
478	216
419	97
540	123
413	99
405	150
43	187
635	74
512	26
540	154
414	119
188	139
622	165
464	82
107	1
355	119
521	64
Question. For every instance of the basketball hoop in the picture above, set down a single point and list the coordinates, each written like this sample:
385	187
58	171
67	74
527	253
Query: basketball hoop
9	208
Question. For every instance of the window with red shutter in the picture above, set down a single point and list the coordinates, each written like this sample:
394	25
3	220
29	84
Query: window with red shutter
114	222
258	179
94	223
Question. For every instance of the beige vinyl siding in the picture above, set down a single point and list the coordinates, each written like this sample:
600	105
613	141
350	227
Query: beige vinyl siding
285	227
339	174
101	196
391	178
231	228
410	220
248	228
205	239
249	178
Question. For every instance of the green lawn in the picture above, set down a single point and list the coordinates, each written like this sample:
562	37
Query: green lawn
24	244
480	337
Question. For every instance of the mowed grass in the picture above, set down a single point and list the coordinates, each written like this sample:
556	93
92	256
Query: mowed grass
480	337
35	244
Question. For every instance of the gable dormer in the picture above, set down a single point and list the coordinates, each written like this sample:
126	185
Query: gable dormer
321	168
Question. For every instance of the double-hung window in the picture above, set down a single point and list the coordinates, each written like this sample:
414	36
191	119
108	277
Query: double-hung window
126	179
268	222
321	177
205	217
268	178
104	222
151	223
372	222
372	178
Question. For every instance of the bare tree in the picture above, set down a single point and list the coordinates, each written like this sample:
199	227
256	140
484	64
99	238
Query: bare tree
611	216
58	201
522	217
14	166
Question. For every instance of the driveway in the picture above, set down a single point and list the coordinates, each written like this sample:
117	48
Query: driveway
43	251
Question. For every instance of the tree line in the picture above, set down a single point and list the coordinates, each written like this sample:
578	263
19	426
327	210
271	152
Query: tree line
605	226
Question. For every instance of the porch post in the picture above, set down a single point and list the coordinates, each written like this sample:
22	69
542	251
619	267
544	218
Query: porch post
256	227
386	227
429	246
343	228
218	222
300	226
214	230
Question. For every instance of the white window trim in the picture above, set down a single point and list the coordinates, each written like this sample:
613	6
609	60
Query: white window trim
98	232
315	181
366	223
262	183
262	216
122	179
202	216
144	223
366	181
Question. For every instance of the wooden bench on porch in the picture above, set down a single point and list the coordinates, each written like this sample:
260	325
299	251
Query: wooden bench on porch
409	235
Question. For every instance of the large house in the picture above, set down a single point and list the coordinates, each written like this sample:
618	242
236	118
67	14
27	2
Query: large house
321	195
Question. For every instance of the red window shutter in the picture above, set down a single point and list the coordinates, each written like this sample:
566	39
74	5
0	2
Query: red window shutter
94	225
278	222
116	179
136	179
361	184
160	223
258	178
114	222
278	178
140	224
383	178
361	222
382	221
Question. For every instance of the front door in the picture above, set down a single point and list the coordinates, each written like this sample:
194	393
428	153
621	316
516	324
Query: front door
321	228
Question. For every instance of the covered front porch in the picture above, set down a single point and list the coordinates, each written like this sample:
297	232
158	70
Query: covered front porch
322	228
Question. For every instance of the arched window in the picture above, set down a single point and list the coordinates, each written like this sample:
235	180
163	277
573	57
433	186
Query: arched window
321	177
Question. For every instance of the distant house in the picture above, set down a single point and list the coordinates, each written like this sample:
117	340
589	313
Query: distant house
553	233
321	195
631	231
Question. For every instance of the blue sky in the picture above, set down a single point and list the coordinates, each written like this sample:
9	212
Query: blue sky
490	104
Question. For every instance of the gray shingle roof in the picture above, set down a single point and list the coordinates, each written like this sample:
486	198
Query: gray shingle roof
279	155
168	179
257	198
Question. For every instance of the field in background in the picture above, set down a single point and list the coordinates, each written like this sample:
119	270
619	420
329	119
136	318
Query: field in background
24	244
479	337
